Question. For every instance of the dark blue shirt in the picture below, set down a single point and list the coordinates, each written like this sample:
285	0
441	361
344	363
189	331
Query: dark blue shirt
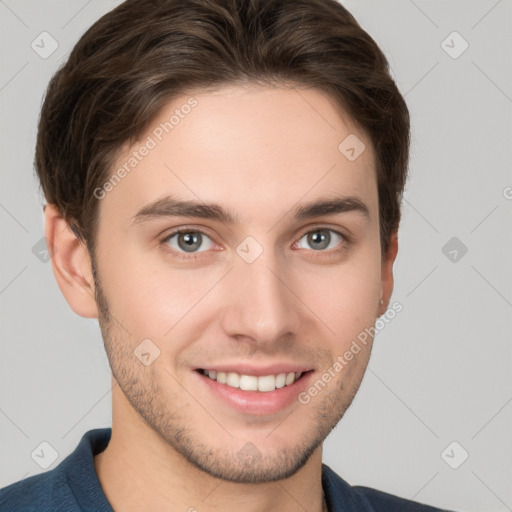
73	486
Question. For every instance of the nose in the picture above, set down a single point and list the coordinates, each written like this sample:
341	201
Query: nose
261	304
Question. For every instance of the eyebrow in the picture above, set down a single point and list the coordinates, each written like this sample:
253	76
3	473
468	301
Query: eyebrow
172	207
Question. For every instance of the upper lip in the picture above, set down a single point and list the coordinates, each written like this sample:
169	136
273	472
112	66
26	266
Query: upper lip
257	371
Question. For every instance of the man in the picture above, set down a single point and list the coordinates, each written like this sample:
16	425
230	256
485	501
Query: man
223	182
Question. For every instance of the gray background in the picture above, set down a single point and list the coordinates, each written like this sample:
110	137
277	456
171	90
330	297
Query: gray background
440	371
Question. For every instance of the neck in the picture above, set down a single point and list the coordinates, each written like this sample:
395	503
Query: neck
139	471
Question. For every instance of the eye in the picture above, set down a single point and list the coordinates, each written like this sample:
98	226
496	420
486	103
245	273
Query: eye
321	239
188	241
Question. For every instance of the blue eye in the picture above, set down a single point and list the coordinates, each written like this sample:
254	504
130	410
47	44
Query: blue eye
321	239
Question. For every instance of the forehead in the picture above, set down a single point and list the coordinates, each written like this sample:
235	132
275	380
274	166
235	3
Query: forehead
260	150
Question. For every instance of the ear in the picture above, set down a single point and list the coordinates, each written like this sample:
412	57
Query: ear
387	273
71	264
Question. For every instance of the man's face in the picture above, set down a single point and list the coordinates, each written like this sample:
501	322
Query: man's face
263	293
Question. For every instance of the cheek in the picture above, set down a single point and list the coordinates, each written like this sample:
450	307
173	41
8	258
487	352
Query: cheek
149	297
345	297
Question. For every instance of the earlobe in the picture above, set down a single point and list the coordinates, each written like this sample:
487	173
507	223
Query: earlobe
387	280
71	264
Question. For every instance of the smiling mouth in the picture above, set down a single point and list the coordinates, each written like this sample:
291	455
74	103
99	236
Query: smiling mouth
263	383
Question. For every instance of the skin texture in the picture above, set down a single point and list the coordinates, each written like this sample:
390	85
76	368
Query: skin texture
259	152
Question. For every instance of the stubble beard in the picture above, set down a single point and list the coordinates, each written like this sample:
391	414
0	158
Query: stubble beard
145	394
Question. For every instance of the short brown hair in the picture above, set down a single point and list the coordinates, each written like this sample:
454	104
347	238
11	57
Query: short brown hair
142	54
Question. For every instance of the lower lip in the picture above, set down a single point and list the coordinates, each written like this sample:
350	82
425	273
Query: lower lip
257	402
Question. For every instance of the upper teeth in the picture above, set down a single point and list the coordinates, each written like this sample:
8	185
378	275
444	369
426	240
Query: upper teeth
253	383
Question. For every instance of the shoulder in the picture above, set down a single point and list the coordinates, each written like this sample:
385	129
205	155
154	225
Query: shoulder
384	502
341	496
37	493
71	486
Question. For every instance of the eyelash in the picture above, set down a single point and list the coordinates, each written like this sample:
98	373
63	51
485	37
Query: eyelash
194	256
